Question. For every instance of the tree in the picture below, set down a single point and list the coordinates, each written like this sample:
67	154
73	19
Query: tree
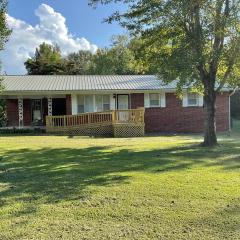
118	59
143	63
4	30
78	63
124	56
194	41
4	34
46	61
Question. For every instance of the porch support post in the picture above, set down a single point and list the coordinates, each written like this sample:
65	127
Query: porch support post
49	106
20	112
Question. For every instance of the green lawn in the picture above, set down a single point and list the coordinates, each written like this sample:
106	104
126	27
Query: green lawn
142	188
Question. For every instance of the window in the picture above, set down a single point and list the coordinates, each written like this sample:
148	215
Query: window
154	99
80	104
192	99
86	103
102	103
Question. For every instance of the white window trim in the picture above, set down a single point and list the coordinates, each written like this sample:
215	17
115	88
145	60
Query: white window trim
162	100
94	101
75	102
197	100
185	100
159	100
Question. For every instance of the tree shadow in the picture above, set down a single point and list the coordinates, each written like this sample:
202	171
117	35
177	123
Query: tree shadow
224	222
56	174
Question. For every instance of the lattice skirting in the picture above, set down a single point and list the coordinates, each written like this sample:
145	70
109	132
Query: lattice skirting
129	130
84	130
116	130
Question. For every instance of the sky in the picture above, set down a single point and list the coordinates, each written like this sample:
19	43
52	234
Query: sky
71	24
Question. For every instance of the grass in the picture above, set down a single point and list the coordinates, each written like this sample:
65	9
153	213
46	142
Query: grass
142	188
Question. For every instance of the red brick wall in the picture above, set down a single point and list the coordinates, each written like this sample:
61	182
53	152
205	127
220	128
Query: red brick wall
174	118
12	112
137	100
68	105
222	114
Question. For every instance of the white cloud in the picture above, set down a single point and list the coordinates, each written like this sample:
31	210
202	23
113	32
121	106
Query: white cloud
25	38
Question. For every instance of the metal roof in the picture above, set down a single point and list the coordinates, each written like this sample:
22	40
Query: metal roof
38	83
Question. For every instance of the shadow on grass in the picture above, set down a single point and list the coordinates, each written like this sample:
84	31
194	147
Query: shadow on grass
65	174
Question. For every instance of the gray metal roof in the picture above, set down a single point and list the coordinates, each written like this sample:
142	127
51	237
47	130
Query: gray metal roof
37	83
82	83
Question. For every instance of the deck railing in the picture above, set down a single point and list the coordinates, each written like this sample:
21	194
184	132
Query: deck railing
111	117
128	116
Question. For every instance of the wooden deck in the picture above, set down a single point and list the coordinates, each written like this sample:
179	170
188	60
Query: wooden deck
117	123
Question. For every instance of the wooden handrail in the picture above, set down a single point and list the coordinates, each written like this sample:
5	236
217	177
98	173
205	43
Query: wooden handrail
111	117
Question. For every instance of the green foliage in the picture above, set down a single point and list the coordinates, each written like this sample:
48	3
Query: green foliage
4	30
123	57
46	61
4	34
78	63
2	113
115	60
21	131
196	42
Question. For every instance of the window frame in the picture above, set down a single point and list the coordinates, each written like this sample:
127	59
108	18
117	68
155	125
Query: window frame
159	100
196	98
102	102
94	103
80	105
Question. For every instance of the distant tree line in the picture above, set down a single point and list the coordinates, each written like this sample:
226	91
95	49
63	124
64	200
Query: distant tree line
123	57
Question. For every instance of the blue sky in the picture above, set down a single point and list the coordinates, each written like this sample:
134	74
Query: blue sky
81	19
72	24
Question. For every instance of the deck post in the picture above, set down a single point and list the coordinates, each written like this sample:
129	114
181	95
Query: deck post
49	106
20	112
64	123
113	116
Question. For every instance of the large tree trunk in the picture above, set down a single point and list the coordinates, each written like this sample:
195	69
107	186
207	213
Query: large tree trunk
210	137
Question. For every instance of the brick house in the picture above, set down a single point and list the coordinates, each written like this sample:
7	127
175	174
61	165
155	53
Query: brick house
29	99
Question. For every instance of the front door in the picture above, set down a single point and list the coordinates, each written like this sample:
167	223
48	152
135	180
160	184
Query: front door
59	106
123	102
36	111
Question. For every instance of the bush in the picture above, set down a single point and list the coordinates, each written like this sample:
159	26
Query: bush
21	131
2	113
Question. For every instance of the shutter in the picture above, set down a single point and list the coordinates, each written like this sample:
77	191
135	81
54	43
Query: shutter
200	101
185	99
163	100
74	105
146	100
112	102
